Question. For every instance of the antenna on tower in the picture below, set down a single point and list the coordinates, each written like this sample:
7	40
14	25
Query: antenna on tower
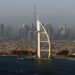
35	14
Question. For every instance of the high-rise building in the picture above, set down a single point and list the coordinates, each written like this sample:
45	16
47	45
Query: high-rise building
23	32
63	32
2	30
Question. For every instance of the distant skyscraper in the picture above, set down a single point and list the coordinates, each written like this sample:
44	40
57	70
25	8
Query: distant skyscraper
23	32
2	28
63	32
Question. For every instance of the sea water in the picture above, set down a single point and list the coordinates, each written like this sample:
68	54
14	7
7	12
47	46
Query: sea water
11	66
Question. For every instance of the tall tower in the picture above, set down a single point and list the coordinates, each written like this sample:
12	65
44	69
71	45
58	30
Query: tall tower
43	41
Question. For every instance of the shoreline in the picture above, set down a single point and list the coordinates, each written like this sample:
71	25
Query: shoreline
67	58
34	58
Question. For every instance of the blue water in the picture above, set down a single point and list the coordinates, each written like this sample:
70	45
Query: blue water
11	66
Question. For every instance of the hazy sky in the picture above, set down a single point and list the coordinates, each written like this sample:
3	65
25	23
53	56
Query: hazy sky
55	12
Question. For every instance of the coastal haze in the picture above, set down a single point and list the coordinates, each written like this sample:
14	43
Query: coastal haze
56	12
18	32
42	46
